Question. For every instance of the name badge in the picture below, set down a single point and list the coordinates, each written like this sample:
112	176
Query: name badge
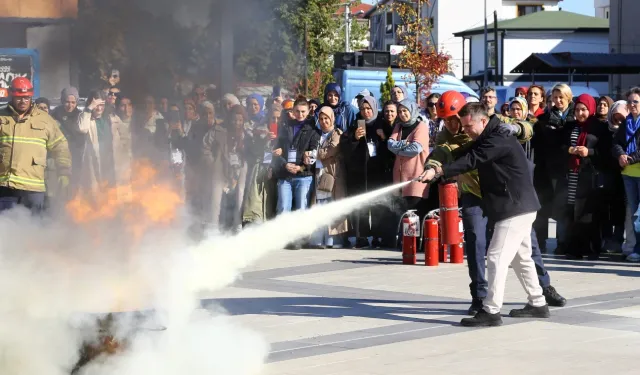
268	156
372	149
234	160
292	156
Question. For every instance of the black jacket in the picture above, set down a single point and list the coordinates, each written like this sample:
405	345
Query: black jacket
547	142
307	139
365	173
506	182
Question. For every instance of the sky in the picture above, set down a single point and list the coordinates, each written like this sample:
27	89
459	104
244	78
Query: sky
575	6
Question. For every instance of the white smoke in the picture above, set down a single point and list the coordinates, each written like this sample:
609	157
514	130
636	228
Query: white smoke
56	279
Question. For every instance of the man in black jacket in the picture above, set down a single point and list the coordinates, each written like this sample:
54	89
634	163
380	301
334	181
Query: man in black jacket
510	201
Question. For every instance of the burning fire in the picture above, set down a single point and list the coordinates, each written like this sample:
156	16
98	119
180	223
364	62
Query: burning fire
143	204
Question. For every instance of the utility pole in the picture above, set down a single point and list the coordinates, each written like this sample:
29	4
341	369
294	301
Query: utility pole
485	81
496	49
347	28
306	60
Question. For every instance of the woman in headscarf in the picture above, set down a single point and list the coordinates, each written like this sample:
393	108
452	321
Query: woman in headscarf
344	112
399	93
330	183
611	191
260	192
236	159
577	192
410	143
67	116
255	109
228	101
365	161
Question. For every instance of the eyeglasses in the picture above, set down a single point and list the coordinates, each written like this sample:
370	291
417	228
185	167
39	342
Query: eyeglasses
115	76
633	102
487	97
23	99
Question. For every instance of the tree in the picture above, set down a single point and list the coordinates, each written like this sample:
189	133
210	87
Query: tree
424	61
387	86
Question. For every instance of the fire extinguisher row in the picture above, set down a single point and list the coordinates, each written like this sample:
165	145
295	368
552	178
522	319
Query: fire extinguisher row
442	231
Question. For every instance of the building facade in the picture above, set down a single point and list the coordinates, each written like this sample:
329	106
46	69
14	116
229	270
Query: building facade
603	8
542	32
624	37
43	26
447	18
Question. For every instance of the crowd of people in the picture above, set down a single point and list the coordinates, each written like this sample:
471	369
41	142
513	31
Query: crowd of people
243	163
238	164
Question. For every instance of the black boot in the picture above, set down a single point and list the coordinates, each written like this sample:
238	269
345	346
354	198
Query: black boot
476	306
530	312
553	297
482	319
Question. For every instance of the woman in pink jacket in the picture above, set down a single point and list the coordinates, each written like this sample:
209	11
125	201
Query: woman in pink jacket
410	142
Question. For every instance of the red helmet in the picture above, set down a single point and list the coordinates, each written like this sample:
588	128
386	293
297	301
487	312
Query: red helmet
450	103
21	86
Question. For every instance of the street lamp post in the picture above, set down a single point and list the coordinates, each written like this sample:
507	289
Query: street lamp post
486	47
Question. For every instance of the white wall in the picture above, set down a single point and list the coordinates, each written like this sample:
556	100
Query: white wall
624	35
53	44
510	7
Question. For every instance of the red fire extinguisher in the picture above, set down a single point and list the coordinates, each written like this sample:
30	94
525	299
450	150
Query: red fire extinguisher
450	236
457	250
432	241
410	231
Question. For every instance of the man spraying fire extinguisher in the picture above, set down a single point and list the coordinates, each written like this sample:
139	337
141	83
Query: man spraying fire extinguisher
452	143
27	137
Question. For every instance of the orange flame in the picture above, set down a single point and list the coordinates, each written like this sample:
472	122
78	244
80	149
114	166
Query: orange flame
143	204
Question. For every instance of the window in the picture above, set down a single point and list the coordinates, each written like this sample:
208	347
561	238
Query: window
389	23
523	10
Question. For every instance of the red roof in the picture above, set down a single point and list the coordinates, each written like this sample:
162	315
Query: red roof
355	9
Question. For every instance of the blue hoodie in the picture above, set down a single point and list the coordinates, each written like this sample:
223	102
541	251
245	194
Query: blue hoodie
344	112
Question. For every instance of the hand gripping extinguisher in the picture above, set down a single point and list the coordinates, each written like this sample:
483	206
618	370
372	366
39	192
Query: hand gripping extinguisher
450	221
431	238
410	223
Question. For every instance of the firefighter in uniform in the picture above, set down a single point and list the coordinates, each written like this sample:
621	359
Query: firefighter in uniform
27	136
451	143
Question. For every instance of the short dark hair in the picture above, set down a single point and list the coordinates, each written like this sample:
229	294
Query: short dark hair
301	100
390	102
486	89
43	100
475	110
633	90
435	95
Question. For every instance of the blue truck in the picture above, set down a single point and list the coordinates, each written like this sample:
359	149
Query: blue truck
352	80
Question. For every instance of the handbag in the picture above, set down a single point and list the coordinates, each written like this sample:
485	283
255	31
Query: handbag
326	182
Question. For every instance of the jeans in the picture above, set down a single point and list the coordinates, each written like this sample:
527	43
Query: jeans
632	190
293	193
475	237
10	198
511	245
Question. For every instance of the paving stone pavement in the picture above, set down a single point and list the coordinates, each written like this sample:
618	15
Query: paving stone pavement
363	312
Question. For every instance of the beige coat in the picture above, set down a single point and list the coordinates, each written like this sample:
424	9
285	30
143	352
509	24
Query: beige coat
91	175
333	164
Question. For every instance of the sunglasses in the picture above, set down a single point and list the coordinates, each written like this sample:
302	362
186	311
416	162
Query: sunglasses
634	102
111	93
115	76
431	104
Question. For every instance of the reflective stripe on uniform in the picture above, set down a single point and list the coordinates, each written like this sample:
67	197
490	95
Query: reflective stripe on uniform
22	180
54	143
26	140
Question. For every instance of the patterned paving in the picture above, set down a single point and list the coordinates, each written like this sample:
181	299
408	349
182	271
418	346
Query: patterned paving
362	312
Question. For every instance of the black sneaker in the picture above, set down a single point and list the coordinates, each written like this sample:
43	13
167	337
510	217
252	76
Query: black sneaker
476	306
482	319
553	297
530	312
361	243
376	243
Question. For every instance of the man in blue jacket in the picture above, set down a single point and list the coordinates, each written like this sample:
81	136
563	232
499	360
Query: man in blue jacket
510	201
344	112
